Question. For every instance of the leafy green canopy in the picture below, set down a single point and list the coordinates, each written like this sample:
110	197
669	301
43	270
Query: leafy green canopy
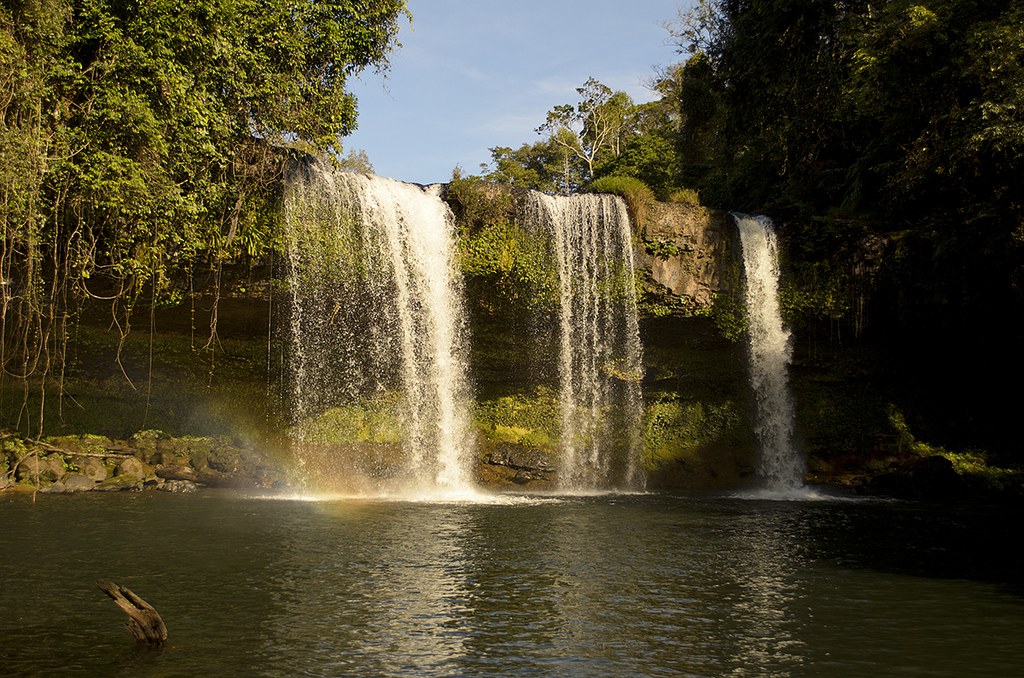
136	136
604	134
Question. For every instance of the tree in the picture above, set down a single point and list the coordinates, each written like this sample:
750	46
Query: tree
356	160
597	124
544	166
137	136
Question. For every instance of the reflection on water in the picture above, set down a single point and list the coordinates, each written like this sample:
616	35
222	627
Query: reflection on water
641	585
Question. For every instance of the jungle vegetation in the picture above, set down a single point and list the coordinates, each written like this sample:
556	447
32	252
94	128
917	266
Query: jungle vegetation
138	142
886	140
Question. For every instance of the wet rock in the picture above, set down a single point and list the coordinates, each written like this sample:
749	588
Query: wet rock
226	459
177	486
145	443
130	468
122	483
77	482
207	478
92	467
521	458
199	450
167	458
176	446
47	468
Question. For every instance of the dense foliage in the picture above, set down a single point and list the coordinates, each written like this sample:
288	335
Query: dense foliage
908	114
137	140
885	138
604	134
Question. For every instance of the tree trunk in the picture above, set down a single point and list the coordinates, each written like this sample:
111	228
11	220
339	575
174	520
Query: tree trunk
144	622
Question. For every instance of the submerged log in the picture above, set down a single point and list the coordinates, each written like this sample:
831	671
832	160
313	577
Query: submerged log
144	622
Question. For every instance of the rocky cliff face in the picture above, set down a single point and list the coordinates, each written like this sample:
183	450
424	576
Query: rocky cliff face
688	251
685	251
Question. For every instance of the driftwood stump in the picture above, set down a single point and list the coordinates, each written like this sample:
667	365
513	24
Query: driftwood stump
144	622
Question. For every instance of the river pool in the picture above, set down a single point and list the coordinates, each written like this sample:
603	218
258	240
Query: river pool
615	585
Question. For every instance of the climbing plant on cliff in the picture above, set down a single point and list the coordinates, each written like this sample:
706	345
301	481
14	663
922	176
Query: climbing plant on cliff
138	139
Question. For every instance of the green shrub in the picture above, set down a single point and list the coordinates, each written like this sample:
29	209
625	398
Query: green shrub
638	196
685	196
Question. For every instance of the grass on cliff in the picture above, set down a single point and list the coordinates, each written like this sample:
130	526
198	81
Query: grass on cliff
639	197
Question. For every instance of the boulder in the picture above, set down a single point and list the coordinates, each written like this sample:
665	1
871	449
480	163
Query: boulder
54	488
130	467
78	482
48	468
199	450
145	443
56	466
176	446
167	458
226	459
93	468
177	486
123	483
29	466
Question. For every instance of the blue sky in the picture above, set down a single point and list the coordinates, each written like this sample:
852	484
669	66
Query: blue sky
474	75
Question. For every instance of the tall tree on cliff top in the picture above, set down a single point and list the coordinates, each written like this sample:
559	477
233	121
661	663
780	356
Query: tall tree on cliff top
595	125
136	135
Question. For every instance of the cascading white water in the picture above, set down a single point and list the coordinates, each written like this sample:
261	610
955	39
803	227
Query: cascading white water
780	464
376	310
600	361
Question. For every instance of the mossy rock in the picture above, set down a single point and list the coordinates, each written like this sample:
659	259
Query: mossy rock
121	483
227	459
130	469
94	444
91	467
176	446
45	468
199	450
147	440
72	444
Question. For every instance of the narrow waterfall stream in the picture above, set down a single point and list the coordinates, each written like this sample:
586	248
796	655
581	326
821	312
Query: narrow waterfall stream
377	317
600	360
781	466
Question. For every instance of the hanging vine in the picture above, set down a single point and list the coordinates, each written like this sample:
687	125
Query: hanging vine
140	144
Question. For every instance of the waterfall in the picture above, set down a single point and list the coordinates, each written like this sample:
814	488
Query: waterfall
600	361
376	317
780	465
